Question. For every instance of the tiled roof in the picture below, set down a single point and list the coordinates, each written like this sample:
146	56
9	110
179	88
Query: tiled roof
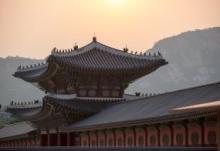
97	56
84	104
26	112
25	106
78	103
150	108
32	72
16	129
23	109
94	57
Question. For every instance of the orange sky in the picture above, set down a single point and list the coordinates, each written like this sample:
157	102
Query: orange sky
31	28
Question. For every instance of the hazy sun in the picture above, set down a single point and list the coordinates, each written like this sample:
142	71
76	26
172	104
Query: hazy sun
116	3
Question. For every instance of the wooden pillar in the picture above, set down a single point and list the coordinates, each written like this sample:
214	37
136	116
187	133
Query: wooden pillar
48	138
68	139
202	134
96	134
105	138
218	131
58	137
146	136
171	135
78	144
124	137
40	135
186	134
158	135
88	139
114	137
134	132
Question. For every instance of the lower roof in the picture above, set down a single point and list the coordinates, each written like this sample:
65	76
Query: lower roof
16	129
149	107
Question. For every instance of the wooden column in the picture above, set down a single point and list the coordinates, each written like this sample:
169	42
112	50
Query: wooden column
78	134
58	137
158	135
40	135
146	137
171	134
202	134
105	138
48	138
88	139
135	137
124	137
96	135
68	139
186	134
218	131
114	137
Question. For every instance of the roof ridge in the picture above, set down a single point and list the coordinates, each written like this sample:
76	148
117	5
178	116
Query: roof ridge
32	67
72	52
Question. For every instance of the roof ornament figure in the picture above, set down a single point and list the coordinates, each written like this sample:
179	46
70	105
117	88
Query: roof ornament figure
125	49
94	39
54	50
159	54
75	46
19	67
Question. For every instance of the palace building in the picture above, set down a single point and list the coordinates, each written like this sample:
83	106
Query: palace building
85	104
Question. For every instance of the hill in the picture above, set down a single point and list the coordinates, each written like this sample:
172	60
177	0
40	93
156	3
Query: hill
193	60
12	88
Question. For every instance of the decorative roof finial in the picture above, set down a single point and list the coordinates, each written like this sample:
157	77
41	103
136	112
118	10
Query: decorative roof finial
54	50
19	67
159	54
125	49
94	38
75	46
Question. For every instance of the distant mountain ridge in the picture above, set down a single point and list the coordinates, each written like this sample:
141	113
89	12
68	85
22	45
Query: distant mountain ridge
193	60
